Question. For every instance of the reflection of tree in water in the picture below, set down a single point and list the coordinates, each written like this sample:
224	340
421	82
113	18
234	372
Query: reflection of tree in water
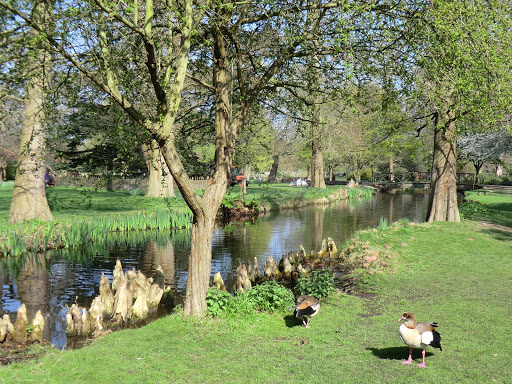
317	227
156	255
33	288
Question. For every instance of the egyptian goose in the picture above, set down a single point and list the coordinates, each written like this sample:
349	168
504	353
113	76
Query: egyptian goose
418	335
307	307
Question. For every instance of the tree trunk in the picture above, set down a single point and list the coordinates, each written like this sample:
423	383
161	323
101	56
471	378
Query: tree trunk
478	166
443	189
199	268
317	158
160	182
391	166
272	177
205	208
28	196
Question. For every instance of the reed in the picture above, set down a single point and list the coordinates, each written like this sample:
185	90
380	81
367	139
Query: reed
360	192
16	239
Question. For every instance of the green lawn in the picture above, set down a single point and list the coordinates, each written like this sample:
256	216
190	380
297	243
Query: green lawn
459	275
67	203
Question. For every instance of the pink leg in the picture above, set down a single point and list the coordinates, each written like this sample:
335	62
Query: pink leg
409	360
422	365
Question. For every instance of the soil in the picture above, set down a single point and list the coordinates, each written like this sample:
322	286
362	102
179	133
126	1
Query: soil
14	353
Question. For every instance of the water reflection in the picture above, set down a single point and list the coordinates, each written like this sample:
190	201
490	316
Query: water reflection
54	281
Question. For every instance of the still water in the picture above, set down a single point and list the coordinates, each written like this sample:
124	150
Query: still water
53	281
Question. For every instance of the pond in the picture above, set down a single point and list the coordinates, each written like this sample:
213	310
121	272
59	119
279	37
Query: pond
52	282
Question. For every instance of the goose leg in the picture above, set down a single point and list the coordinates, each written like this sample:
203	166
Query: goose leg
409	360
422	365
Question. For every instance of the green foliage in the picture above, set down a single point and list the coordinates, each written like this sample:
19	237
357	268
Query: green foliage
267	297
356	193
271	296
318	283
492	179
383	225
472	210
217	301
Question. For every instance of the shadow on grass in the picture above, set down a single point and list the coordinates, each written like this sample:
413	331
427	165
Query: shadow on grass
499	234
396	353
291	321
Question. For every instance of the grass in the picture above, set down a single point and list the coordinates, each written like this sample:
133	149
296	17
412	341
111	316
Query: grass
84	216
495	206
459	275
277	196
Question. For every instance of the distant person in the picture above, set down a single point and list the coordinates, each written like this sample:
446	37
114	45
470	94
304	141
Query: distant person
49	179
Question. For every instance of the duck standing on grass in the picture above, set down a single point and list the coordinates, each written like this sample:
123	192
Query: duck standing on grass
306	308
418	335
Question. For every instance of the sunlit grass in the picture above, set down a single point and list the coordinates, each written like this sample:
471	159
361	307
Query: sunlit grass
84	216
275	196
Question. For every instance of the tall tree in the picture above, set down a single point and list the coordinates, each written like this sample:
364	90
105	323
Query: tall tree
161	42
462	73
28	196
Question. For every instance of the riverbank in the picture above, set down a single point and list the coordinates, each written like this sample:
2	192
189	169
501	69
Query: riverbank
264	198
84	215
455	274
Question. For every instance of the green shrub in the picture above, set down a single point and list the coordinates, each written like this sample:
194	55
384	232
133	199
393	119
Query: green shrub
317	283
271	297
217	301
472	209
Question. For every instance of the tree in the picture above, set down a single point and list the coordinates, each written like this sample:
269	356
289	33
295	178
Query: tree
28	196
480	148
462	75
161	43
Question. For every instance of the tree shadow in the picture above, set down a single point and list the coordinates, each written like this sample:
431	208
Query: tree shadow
396	353
499	234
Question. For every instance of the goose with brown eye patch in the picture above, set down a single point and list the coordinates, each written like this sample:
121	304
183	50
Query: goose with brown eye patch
418	335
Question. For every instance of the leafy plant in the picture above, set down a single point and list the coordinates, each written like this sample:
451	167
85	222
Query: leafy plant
472	209
318	283
217	301
271	296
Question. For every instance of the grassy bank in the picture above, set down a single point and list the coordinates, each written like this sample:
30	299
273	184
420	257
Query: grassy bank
84	216
456	274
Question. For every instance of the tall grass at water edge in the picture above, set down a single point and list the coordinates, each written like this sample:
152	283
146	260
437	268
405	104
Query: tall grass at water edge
35	235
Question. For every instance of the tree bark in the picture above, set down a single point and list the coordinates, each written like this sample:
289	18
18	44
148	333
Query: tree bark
272	176
160	182
391	174
443	188
317	157
28	196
